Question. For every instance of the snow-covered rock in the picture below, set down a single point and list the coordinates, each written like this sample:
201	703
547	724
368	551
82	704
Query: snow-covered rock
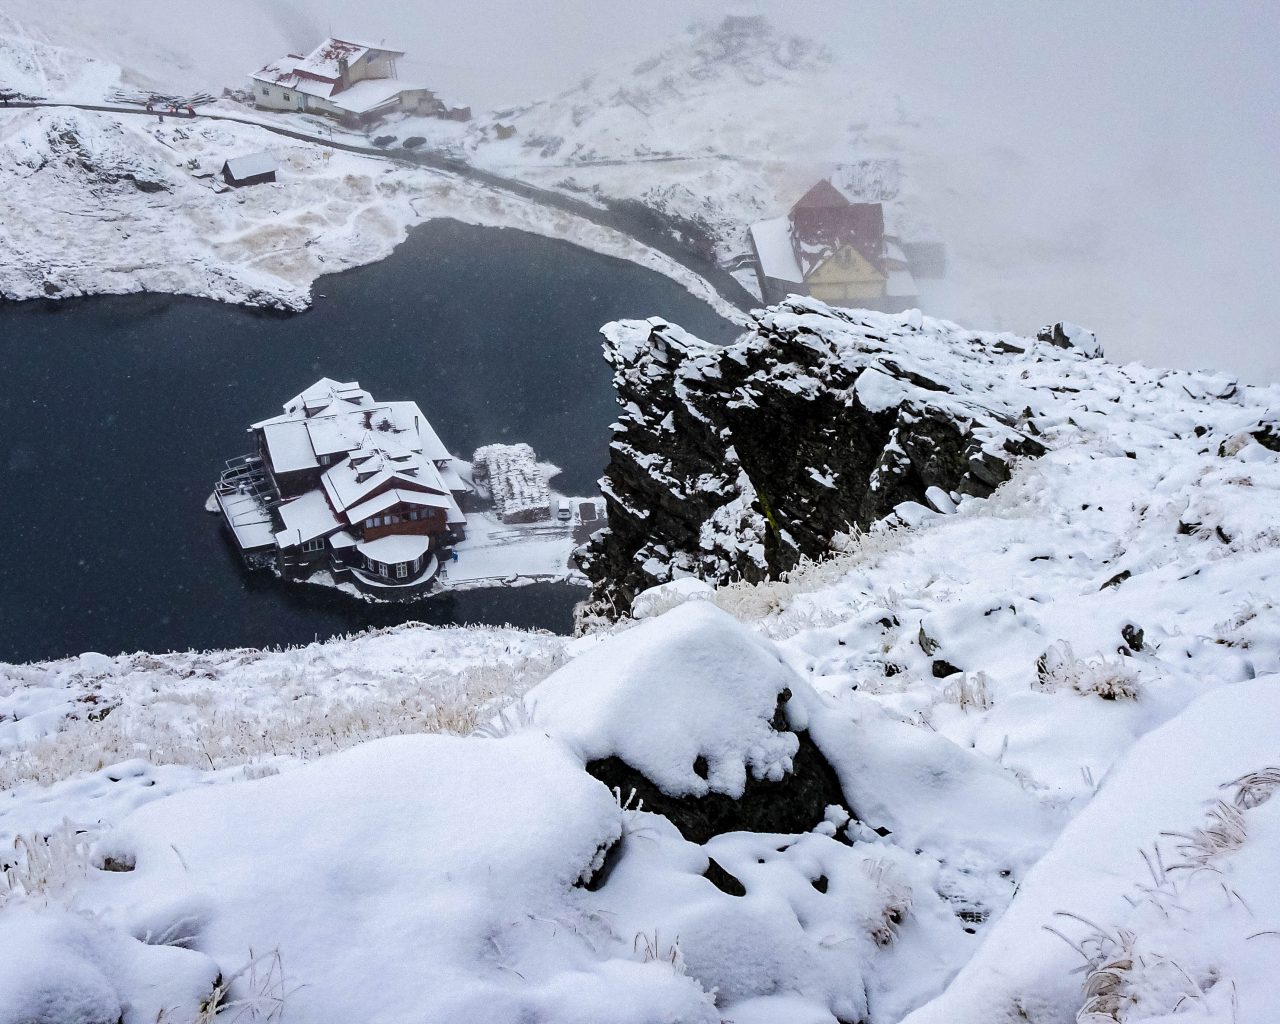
738	462
687	699
1164	906
665	596
425	878
57	967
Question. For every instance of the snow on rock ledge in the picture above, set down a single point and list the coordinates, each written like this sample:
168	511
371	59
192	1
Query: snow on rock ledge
693	712
692	684
738	462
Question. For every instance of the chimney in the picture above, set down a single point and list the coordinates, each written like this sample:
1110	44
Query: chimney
344	69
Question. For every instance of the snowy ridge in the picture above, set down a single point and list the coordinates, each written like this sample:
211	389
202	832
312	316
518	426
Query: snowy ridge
728	125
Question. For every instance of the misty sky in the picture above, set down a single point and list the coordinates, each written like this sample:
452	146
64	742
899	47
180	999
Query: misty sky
1139	137
1109	162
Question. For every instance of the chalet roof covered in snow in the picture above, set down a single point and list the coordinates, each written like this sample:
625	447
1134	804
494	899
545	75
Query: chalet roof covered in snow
308	517
367	95
373	449
290	446
396	547
320	72
251	165
325	60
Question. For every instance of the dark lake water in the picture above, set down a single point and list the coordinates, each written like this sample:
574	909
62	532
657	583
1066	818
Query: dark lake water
118	412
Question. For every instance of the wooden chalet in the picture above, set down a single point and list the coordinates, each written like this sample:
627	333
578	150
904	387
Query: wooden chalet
834	249
355	83
360	488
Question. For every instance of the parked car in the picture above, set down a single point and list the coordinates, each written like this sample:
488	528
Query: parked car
564	512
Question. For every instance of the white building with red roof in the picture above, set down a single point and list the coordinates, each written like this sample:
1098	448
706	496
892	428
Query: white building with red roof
354	82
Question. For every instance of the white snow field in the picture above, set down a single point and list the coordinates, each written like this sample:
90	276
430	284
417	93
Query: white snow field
1073	824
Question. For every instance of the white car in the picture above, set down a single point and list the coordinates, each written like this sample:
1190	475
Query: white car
564	512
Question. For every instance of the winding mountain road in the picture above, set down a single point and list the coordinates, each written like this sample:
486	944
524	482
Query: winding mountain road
652	233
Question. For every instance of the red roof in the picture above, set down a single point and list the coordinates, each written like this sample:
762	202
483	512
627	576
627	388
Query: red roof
823	221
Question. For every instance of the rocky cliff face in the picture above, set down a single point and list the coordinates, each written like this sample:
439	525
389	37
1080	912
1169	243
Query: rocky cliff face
736	462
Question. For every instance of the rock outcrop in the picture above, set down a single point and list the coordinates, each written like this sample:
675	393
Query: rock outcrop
737	462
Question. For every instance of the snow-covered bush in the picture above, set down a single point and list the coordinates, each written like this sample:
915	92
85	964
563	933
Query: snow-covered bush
1108	678
971	690
896	892
46	865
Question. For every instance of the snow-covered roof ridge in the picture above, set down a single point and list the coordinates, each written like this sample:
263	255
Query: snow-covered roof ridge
819	418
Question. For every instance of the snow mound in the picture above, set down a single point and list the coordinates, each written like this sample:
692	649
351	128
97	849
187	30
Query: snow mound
60	968
403	855
1164	915
651	603
692	686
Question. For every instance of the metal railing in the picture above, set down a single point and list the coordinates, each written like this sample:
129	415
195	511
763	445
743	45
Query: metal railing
246	474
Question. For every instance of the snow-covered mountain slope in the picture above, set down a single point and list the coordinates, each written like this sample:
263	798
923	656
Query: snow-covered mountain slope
994	714
730	124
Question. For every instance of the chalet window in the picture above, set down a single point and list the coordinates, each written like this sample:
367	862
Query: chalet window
314	545
402	570
368	524
383	569
286	97
266	91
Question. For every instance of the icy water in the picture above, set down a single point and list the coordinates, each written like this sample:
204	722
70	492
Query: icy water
118	413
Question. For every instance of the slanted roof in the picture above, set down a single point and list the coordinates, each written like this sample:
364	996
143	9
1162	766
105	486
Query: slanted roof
369	471
250	166
373	447
823	222
289	447
772	241
822	196
310	516
278	72
326	392
323	60
372	93
397	496
408	416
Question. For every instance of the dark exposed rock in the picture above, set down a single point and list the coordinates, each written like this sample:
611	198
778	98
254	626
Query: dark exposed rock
736	463
1268	435
1066	335
722	880
943	668
1133	637
795	804
1117	579
595	881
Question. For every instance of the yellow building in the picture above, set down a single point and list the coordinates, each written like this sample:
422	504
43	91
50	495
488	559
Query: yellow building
834	250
